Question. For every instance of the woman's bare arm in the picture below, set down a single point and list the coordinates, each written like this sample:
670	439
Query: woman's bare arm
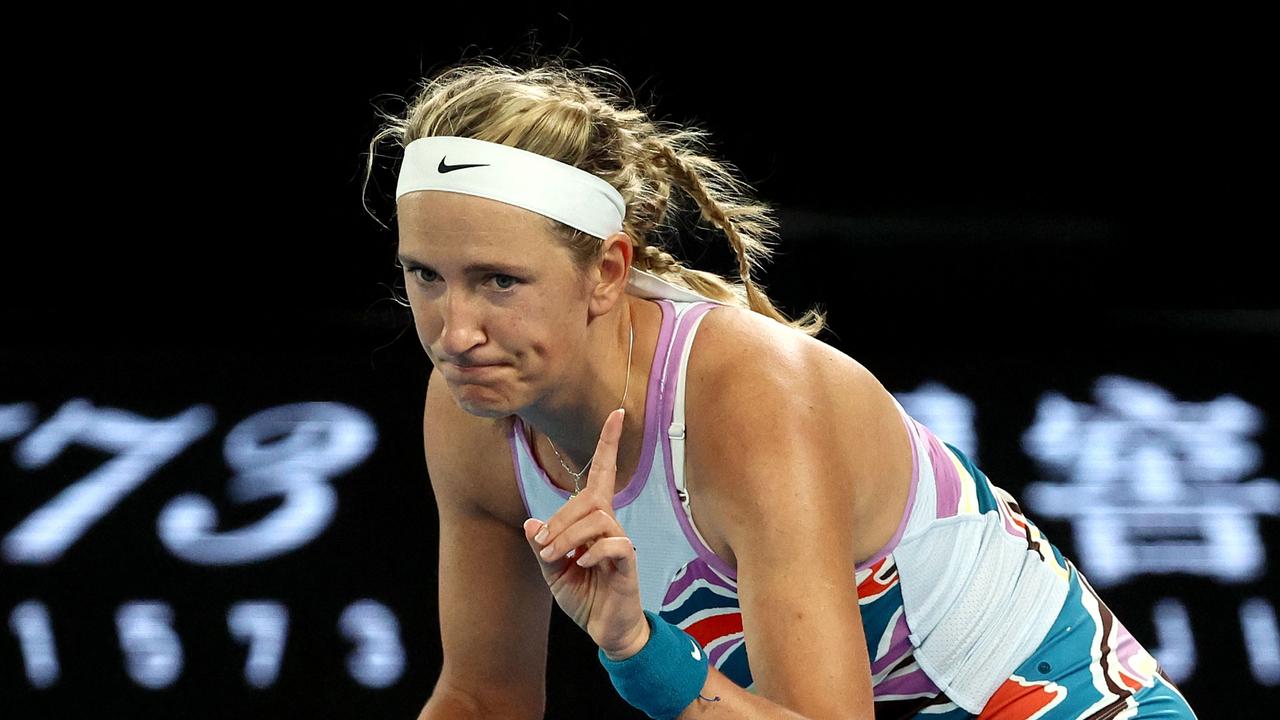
495	607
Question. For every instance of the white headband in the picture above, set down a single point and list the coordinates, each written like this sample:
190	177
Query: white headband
534	182
517	177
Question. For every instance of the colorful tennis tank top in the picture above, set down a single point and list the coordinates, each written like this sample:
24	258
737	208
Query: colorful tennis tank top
964	591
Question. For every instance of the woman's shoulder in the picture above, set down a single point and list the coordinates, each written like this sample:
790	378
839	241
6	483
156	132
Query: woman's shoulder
761	383
762	391
739	348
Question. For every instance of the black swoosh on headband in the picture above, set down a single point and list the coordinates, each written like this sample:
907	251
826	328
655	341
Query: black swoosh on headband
443	168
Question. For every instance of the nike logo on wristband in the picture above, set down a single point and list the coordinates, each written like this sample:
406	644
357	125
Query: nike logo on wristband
444	168
697	651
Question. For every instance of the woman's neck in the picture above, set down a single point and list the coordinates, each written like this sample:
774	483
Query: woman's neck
574	427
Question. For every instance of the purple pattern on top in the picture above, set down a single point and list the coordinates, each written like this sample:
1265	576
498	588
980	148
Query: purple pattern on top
719	650
692	573
946	478
913	683
898	640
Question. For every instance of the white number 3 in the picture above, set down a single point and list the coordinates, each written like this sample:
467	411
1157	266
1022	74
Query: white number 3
289	451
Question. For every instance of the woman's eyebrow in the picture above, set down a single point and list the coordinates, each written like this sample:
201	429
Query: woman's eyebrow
472	268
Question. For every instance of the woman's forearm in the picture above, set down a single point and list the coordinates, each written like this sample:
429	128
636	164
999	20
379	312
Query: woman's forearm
736	702
453	705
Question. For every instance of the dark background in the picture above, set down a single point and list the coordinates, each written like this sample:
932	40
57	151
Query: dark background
1009	206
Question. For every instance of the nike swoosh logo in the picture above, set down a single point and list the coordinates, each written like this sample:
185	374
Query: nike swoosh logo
445	168
697	651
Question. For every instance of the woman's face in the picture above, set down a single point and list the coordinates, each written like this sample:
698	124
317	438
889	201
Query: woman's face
497	304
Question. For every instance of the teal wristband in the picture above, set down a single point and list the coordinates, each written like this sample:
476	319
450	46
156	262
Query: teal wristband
666	676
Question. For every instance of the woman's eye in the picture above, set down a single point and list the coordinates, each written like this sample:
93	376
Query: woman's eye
502	282
513	281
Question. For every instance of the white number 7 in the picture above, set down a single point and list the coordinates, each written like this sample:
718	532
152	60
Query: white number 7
141	446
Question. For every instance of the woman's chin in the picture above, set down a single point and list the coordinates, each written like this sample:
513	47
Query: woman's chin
482	409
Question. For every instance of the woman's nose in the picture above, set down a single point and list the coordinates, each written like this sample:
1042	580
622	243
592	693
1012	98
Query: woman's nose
462	325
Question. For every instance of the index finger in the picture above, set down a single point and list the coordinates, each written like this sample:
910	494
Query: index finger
604	464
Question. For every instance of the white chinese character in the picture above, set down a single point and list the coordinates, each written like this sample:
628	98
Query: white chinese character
1153	484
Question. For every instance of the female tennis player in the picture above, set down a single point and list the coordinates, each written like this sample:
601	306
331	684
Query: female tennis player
741	517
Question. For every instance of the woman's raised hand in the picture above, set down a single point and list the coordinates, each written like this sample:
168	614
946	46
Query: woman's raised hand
588	561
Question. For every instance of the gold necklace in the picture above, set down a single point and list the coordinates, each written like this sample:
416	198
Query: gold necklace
577	475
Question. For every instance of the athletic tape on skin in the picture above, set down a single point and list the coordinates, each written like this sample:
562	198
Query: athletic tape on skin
531	181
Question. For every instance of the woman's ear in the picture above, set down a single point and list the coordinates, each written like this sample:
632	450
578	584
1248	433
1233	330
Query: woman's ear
612	269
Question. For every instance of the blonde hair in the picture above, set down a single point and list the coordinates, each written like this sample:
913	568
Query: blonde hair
578	116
